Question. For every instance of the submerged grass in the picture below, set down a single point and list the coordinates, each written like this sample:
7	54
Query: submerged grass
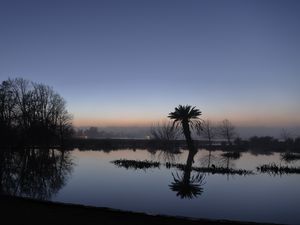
224	170
232	155
136	164
272	168
213	169
145	164
290	156
275	169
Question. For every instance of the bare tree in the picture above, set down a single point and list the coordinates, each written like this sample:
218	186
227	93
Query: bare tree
7	104
22	94
227	130
92	132
35	111
285	135
165	131
207	131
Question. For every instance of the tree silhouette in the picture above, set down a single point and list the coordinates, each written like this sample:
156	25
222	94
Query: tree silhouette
186	116
34	173
207	131
32	113
227	130
164	132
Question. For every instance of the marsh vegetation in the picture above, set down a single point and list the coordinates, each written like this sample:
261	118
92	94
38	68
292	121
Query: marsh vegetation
145	164
274	169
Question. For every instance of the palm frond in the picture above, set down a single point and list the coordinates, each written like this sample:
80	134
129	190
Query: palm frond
186	113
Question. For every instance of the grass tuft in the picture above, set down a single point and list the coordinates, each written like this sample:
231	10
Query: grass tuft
135	164
275	169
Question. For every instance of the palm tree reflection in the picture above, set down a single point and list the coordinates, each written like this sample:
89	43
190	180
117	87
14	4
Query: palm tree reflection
187	185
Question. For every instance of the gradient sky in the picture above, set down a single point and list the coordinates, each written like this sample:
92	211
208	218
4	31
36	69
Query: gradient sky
131	62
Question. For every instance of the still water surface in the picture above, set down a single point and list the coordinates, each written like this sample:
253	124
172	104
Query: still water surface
89	178
96	181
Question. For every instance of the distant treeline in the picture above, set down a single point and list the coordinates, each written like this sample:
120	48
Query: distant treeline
256	145
32	114
116	132
268	144
117	144
165	136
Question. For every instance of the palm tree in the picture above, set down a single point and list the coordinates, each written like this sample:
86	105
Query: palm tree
186	116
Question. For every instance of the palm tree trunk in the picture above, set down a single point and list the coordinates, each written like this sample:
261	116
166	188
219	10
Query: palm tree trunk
187	134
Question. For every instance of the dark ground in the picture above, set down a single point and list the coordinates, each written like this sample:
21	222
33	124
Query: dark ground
25	211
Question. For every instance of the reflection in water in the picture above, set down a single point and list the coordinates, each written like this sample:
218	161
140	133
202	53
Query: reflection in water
168	156
208	160
34	173
226	159
97	182
188	186
290	157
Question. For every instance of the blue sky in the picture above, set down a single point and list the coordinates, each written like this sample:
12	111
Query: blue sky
132	62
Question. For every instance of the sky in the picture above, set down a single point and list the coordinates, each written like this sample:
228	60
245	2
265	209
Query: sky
129	63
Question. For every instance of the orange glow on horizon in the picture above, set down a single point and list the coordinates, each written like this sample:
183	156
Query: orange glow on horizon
237	120
113	122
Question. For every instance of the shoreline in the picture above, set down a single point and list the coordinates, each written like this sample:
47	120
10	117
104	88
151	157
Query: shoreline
20	210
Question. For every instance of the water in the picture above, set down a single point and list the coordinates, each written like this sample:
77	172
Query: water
89	178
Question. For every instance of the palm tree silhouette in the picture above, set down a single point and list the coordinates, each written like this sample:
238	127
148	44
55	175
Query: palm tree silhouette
186	116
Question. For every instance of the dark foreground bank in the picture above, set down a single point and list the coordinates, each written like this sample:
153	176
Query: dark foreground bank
16	210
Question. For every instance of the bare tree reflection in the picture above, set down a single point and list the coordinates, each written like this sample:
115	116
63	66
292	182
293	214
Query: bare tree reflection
227	158
208	159
168	157
34	173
